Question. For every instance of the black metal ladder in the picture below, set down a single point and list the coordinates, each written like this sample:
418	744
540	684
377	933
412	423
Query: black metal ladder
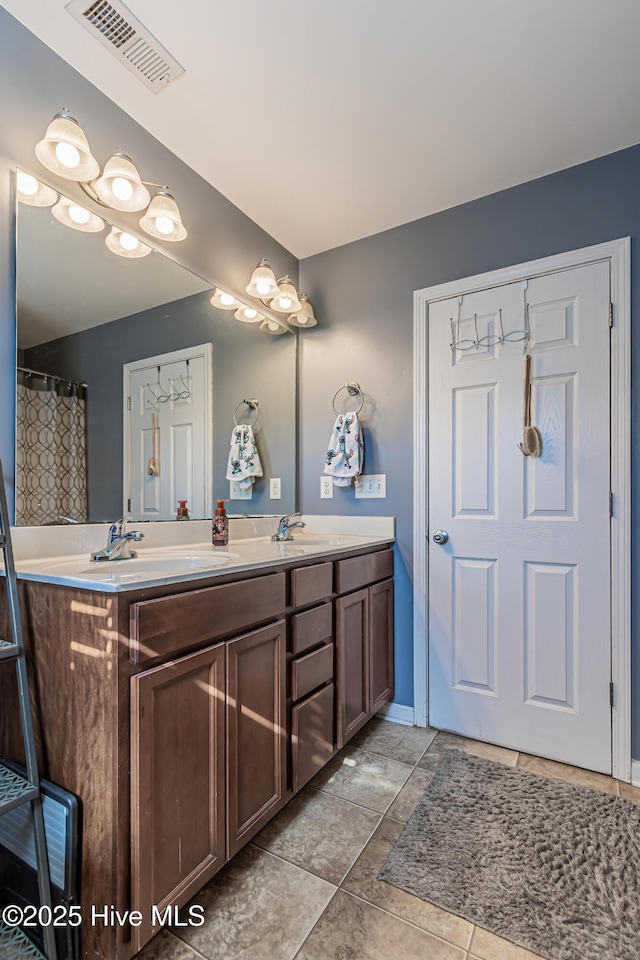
14	789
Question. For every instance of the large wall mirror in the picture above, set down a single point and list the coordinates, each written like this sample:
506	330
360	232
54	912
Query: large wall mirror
131	385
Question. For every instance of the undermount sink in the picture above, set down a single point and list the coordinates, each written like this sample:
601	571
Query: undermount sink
135	568
325	540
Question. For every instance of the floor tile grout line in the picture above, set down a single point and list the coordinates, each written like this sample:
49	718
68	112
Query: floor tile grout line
407	922
331	898
290	864
369	839
188	945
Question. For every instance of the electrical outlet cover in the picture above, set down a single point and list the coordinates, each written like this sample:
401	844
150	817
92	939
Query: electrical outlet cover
326	488
236	492
275	488
373	486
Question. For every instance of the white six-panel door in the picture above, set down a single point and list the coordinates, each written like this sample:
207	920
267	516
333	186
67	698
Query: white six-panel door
183	435
519	596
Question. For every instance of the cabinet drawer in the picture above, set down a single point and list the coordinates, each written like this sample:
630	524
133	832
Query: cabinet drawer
311	671
311	627
359	571
310	584
170	624
312	738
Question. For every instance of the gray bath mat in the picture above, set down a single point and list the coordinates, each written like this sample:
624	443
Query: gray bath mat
550	866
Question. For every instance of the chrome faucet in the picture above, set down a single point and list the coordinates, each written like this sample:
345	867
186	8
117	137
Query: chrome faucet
285	527
118	541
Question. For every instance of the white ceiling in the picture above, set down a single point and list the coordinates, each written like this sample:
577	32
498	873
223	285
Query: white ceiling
330	120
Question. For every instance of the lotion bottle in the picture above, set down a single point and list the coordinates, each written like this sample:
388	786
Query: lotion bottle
220	526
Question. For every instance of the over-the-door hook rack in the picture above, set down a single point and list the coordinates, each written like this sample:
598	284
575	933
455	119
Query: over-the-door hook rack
491	339
353	389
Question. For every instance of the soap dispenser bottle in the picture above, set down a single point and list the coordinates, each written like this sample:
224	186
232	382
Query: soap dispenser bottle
183	513
220	526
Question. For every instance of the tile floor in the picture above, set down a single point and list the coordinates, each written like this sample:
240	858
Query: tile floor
307	886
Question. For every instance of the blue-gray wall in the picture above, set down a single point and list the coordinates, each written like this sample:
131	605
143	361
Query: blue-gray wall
246	363
223	244
363	295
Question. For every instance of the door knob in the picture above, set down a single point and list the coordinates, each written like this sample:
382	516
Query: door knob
440	537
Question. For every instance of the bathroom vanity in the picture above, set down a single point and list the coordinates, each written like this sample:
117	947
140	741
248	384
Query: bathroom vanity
185	711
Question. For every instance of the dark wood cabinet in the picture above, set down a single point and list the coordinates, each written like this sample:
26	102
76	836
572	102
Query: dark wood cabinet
381	644
364	643
352	643
177	781
312	735
256	748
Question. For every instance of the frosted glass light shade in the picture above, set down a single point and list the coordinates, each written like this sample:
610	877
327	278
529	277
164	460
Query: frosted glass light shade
263	283
120	186
286	299
65	150
272	327
78	218
162	219
248	315
305	316
224	301
123	244
33	192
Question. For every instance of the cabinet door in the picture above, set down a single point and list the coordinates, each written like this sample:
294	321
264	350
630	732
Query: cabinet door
256	702
311	735
177	781
381	648
352	642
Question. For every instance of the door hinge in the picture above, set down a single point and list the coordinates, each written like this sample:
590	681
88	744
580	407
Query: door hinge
128	403
610	314
129	505
612	690
610	503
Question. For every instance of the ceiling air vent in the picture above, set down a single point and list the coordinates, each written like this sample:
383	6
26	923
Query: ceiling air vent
110	22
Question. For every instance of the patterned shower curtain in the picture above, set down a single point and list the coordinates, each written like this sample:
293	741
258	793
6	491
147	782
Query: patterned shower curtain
51	459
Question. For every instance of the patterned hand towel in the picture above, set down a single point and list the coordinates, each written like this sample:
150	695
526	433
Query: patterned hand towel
345	455
244	460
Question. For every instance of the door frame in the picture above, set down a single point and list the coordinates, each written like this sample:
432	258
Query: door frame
174	356
618	253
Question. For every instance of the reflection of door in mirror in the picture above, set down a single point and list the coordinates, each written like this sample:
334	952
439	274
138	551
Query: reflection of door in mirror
168	420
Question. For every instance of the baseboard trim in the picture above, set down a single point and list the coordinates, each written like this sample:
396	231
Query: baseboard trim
398	713
635	773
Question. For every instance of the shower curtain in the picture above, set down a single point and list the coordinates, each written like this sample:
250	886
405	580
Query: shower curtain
51	459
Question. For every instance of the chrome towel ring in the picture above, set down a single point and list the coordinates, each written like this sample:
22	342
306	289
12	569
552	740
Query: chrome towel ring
253	404
353	389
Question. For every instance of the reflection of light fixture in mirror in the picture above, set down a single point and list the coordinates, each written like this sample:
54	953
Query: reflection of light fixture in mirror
272	327
304	317
65	150
120	186
263	283
162	220
125	245
32	192
224	300
248	315
286	299
79	218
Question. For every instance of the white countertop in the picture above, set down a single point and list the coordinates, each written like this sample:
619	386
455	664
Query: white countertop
176	552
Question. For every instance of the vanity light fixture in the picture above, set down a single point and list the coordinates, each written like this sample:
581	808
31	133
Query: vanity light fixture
263	283
286	299
65	149
272	326
248	315
305	316
79	218
120	186
162	220
224	300
34	193
123	244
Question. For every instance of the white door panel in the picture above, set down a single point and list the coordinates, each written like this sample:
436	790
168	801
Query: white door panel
183	435
519	597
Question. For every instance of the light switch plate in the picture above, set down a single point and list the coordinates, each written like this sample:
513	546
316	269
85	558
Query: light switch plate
326	488
373	486
275	488
236	492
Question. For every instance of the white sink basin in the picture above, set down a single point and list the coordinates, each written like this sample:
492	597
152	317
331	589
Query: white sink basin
119	570
323	540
